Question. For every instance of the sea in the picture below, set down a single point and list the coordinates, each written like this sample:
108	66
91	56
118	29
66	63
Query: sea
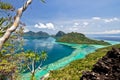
60	54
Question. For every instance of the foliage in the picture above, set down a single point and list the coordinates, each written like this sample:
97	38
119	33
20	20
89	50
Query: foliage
8	59
74	70
33	35
31	61
6	6
79	38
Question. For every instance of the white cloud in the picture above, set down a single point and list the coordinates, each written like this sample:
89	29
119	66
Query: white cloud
96	18
111	20
45	26
73	29
85	23
26	30
76	24
104	32
108	20
112	32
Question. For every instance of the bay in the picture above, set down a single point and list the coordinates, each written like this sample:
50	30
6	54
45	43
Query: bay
60	54
54	50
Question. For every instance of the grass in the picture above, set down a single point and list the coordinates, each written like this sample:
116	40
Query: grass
74	70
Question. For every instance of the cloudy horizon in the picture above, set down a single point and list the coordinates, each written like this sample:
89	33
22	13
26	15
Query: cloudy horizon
94	25
83	16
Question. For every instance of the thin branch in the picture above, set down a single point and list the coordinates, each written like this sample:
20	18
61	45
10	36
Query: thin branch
39	67
15	24
29	68
33	66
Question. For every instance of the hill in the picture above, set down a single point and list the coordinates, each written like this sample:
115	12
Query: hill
39	34
75	69
107	68
59	34
79	38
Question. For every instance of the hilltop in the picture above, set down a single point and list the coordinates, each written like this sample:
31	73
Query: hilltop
59	34
39	34
79	38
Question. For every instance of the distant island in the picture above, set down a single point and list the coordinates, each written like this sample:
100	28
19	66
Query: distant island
79	38
60	36
31	35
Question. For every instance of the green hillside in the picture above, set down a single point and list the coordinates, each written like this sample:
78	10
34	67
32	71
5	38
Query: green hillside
74	70
79	38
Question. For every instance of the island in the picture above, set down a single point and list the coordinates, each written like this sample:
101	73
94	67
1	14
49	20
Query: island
79	38
32	35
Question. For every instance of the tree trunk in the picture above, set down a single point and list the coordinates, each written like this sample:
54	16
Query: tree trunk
33	76
15	24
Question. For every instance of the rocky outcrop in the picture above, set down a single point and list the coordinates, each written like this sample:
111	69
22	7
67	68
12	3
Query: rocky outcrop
107	68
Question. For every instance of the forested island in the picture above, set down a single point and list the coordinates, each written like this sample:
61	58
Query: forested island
79	38
34	35
60	36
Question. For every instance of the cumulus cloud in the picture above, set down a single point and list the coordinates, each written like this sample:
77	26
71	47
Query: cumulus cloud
85	23
76	24
96	18
111	20
45	26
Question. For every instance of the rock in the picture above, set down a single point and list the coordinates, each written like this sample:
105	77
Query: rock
107	68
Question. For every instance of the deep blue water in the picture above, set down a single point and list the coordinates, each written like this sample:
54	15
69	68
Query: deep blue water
110	38
115	37
54	50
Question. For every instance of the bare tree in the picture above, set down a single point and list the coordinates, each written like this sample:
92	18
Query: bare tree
15	24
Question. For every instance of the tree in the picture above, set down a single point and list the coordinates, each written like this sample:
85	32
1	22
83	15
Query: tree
15	24
31	59
9	63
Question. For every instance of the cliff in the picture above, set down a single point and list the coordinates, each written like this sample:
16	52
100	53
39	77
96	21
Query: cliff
107	68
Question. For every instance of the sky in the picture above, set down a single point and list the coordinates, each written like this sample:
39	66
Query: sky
83	16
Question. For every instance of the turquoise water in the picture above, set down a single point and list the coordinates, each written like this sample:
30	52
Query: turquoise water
77	52
54	50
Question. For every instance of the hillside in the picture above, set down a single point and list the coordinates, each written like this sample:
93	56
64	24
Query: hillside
75	69
79	38
107	68
39	34
59	34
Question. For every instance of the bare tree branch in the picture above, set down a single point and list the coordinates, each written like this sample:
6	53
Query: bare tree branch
29	68
15	24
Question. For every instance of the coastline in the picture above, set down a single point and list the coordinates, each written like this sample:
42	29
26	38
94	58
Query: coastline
81	50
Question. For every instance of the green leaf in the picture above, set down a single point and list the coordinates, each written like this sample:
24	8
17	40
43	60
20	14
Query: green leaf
43	1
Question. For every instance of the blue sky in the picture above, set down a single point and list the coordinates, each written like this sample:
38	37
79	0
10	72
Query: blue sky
85	16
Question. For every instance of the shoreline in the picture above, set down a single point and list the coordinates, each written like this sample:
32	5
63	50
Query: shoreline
68	44
81	50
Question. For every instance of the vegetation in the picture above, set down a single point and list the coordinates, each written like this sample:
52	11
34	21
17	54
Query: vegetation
13	59
79	38
9	61
6	6
39	34
59	34
74	70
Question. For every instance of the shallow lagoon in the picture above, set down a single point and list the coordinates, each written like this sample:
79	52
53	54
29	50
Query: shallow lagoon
78	51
